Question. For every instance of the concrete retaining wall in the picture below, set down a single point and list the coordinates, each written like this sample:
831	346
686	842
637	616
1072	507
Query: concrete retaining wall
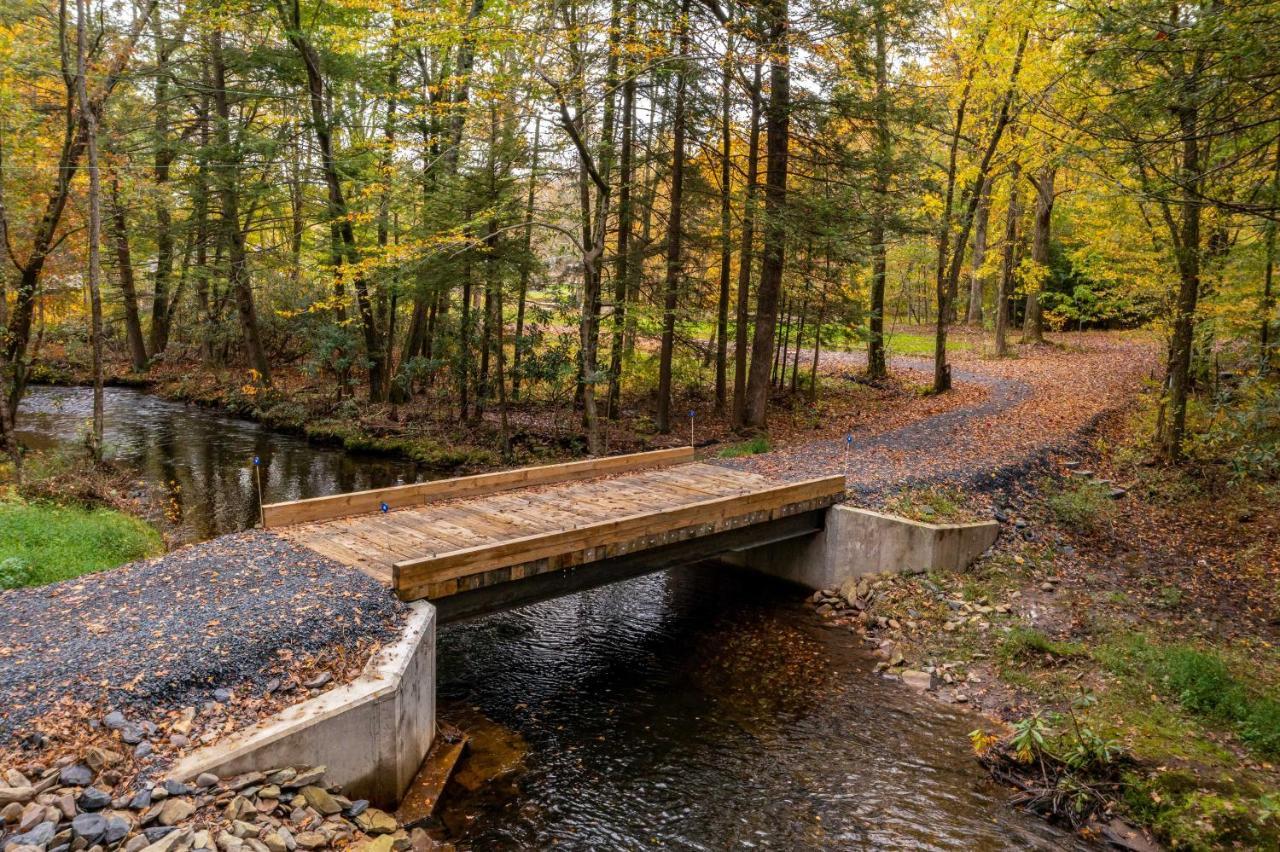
372	733
859	541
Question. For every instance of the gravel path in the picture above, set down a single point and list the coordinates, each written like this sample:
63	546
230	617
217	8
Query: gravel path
1034	404
168	631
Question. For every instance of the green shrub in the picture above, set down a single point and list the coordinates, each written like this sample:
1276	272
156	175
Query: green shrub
1201	681
1260	727
15	572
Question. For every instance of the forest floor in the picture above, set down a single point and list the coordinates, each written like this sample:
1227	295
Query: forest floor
1149	618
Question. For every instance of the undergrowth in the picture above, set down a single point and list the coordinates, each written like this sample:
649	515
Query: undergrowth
44	543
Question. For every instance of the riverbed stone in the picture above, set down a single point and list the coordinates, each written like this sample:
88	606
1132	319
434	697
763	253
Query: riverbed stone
917	680
175	811
319	799
38	837
93	799
374	821
90	827
75	775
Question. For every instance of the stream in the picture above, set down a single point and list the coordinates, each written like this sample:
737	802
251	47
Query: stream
701	707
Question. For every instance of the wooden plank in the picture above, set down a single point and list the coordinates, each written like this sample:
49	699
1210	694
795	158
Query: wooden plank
411	576
341	505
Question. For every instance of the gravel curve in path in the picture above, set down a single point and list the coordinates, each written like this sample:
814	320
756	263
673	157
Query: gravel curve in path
980	446
167	631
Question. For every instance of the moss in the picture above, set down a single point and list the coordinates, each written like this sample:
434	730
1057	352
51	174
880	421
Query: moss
1189	813
939	504
1023	643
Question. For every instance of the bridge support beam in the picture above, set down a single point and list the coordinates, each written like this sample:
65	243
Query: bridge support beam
856	541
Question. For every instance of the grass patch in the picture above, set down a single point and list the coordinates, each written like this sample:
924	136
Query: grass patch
1024	643
1204	683
930	505
1083	505
44	543
755	446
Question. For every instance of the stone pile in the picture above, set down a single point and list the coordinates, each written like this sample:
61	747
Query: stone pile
79	804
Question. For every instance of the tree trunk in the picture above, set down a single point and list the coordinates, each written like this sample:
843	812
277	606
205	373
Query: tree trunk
778	126
526	262
1265	345
128	291
162	305
94	236
671	291
623	269
974	315
726	239
877	363
1008	260
227	178
745	255
1033	321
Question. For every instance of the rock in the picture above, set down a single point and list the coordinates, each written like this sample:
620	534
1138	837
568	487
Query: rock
114	720
319	799
238	808
304	777
222	696
248	779
143	749
136	843
158	831
141	800
184	722
357	807
1046	586
287	836
243	829
374	821
75	775
11	812
921	681
118	829
274	842
175	811
170	841
270	791
14	778
283	777
1002	517
318	681
961	698
38	837
91	827
228	842
385	843
34	814
1117	493
131	734
311	840
174	787
178	741
100	758
206	779
93	799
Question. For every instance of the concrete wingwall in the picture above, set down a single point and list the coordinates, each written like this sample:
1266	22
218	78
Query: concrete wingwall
857	541
372	734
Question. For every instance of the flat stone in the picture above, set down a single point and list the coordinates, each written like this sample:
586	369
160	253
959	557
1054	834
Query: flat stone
38	837
311	840
357	807
11	812
206	779
141	800
114	720
118	829
93	799
131	734
374	821
143	749
318	681
172	840
304	777
921	681
385	843
319	799
91	827
274	842
75	775
175	811
248	779
176	788
136	843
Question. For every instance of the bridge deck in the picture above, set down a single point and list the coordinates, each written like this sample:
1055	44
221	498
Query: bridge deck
449	546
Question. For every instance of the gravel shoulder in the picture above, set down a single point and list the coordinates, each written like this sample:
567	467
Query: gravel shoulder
249	612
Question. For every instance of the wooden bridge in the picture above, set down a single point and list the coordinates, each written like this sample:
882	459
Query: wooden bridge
476	544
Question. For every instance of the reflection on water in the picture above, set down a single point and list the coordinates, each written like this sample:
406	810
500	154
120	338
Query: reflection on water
202	459
704	708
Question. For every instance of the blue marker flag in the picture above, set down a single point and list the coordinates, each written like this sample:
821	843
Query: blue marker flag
256	462
384	507
690	412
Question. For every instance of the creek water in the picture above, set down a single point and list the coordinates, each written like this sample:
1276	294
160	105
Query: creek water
698	708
